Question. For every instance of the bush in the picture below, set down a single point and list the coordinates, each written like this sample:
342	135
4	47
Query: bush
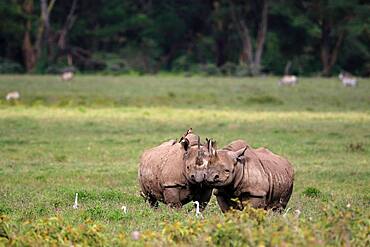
181	63
251	227
8	67
355	147
228	68
311	192
242	70
209	69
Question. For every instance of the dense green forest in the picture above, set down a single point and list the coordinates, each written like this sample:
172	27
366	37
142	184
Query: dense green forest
216	37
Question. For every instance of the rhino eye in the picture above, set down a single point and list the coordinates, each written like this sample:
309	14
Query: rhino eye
227	170
188	167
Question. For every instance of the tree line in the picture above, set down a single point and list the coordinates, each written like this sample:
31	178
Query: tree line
233	37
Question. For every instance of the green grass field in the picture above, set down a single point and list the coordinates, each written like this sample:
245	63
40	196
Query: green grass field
86	136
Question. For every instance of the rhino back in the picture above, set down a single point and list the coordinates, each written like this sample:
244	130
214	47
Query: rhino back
276	163
150	168
236	145
267	174
172	168
159	167
193	139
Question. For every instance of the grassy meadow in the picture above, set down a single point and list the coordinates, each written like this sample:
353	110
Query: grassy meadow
86	136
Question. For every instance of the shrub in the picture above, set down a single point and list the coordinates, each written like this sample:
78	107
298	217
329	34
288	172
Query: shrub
311	192
209	69
242	70
252	227
265	99
8	67
355	147
228	69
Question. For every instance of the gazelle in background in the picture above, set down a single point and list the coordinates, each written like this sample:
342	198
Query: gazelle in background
288	80
14	95
68	73
348	80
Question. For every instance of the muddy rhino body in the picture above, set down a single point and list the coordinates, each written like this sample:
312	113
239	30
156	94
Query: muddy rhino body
164	177
259	177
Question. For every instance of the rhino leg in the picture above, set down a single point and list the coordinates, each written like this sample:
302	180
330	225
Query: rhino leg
223	203
151	199
172	197
287	196
226	203
281	205
256	202
153	202
203	198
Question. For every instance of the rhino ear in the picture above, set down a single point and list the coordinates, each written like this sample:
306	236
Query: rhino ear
189	131
185	144
240	155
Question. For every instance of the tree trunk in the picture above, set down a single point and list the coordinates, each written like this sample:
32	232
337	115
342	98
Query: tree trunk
287	68
248	56
71	18
261	37
336	48
44	28
325	47
220	53
219	33
329	55
29	53
43	42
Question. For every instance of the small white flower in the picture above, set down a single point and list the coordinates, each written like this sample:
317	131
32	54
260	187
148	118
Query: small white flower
297	212
135	235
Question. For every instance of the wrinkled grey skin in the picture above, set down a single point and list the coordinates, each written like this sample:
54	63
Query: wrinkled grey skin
196	160
174	172
243	174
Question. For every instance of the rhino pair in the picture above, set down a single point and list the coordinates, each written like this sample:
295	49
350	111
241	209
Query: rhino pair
179	172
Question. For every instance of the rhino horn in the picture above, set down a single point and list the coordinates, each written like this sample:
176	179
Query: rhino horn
211	145
198	146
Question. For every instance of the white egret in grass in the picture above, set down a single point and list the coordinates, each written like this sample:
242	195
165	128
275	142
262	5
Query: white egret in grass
15	95
124	208
76	203
198	214
286	212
